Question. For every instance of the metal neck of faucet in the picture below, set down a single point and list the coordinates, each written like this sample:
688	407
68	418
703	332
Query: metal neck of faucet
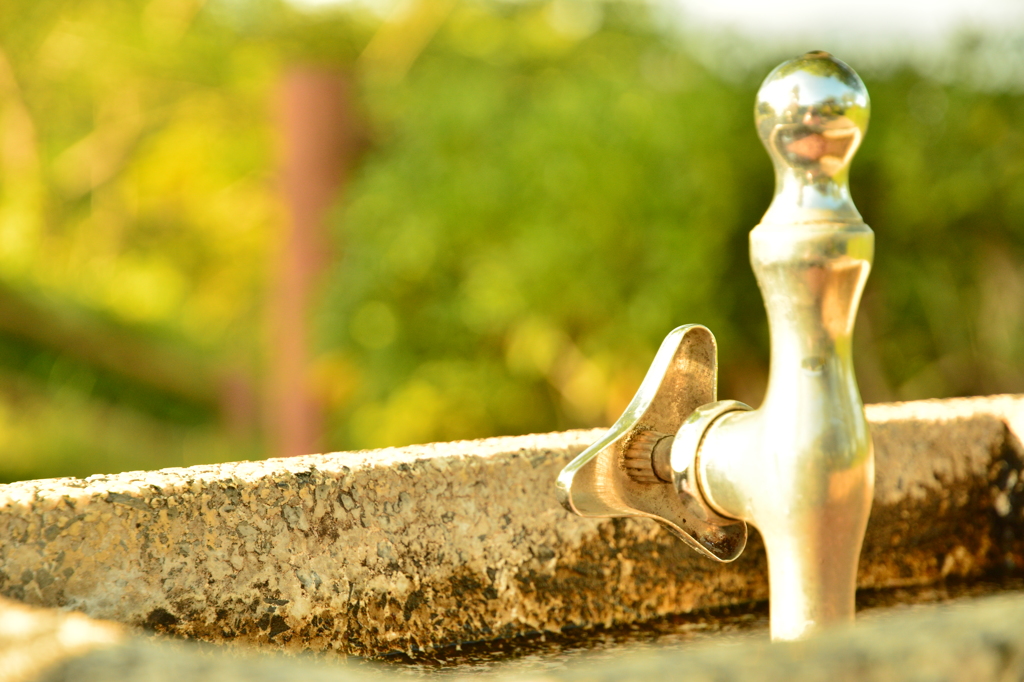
800	468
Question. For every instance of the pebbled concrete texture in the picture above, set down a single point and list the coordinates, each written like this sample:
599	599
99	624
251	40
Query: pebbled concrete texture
423	546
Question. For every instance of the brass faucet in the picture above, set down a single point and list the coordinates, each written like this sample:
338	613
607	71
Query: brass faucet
801	467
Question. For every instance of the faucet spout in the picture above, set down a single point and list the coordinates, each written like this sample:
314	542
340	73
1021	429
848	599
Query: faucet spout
801	467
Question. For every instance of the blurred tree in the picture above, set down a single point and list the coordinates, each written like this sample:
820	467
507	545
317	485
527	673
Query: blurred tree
557	185
322	137
942	181
134	227
552	187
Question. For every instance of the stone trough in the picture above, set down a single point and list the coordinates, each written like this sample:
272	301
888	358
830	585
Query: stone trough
409	549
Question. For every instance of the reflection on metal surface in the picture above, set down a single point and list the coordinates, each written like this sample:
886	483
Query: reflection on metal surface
800	468
811	114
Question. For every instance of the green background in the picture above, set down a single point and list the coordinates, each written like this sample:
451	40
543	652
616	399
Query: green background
543	198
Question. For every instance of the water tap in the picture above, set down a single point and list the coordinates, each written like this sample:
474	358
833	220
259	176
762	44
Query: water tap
801	467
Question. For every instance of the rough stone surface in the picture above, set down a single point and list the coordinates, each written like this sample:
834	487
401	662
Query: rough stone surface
975	641
369	552
949	490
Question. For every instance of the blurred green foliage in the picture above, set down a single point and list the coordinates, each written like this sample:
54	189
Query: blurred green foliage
546	201
135	217
539	210
551	188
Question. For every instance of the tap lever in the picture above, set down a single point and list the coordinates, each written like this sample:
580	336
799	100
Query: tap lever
627	472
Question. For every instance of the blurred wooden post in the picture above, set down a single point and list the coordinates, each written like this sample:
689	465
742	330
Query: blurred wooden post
320	136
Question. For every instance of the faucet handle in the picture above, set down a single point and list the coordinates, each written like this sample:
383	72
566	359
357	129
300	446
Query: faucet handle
811	114
628	473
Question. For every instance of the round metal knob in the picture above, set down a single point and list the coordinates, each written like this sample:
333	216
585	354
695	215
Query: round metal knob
812	113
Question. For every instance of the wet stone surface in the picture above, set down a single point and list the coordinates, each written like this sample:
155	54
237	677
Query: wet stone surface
547	652
955	630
